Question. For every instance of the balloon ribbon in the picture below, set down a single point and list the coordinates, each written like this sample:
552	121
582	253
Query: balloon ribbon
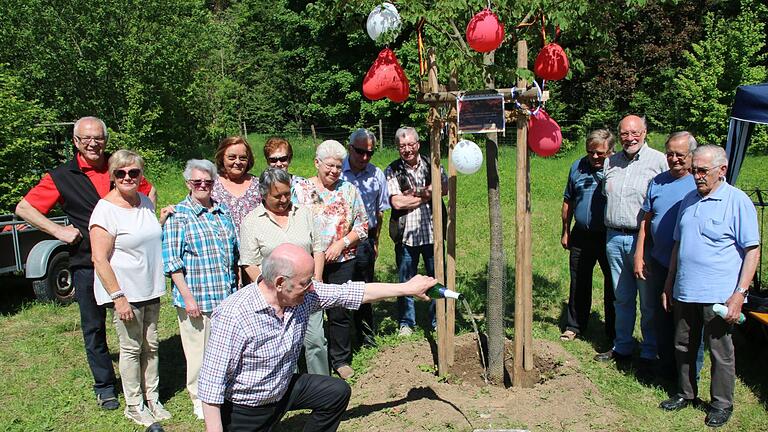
420	43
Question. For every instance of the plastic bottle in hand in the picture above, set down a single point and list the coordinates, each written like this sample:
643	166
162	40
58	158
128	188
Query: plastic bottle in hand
722	311
440	291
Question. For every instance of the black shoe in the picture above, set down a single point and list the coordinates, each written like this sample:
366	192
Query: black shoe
109	403
676	403
717	417
612	355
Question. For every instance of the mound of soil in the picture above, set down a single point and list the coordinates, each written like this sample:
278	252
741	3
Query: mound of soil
401	392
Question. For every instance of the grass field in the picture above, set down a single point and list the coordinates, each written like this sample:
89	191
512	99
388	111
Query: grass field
45	381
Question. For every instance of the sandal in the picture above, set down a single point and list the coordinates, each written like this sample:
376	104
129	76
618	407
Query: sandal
568	336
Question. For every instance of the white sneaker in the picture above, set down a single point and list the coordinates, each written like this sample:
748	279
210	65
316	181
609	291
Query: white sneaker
405	331
158	410
139	414
198	409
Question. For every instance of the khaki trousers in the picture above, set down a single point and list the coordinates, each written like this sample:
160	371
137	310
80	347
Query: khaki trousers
138	354
194	334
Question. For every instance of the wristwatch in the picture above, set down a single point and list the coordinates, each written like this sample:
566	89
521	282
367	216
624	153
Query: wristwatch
346	242
743	291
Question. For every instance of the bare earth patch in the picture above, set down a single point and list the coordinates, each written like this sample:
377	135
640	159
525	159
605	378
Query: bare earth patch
402	393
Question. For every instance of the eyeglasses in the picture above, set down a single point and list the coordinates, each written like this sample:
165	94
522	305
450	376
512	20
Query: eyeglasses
97	139
331	167
281	159
627	134
677	155
197	183
411	145
304	287
363	152
133	173
236	158
701	171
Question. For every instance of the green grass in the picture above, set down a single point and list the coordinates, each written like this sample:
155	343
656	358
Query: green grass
46	383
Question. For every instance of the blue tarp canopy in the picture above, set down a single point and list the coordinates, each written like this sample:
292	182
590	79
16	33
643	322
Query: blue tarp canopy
749	108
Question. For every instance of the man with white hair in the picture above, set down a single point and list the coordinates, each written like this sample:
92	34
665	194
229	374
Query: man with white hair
248	380
76	186
713	262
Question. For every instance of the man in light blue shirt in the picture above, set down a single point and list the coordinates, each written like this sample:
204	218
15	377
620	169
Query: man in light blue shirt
713	261
662	202
370	180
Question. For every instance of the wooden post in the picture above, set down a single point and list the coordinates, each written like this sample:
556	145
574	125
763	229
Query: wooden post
437	213
381	134
314	135
523	275
450	268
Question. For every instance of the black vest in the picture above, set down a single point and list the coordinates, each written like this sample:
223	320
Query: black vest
79	197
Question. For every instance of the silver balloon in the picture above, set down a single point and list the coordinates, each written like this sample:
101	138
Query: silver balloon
383	21
467	157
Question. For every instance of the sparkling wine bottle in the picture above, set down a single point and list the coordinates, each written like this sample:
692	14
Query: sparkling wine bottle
440	291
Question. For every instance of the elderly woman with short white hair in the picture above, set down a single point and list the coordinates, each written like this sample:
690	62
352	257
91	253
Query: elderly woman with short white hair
341	222
200	251
127	257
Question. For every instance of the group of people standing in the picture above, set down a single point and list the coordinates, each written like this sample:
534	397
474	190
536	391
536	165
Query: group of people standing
666	226
217	241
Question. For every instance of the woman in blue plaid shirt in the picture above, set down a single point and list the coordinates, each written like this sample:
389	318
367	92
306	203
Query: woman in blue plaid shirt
200	254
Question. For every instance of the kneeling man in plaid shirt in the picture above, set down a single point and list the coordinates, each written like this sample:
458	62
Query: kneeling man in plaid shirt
248	380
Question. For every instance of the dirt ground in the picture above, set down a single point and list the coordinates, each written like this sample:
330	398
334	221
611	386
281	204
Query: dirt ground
401	392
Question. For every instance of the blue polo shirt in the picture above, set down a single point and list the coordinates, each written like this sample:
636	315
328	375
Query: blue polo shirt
373	188
665	193
585	193
713	232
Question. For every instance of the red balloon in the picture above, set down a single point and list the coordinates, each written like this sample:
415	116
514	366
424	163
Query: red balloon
485	32
386	78
551	63
544	136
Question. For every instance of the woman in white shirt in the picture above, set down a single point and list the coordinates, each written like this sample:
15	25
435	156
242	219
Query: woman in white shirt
126	243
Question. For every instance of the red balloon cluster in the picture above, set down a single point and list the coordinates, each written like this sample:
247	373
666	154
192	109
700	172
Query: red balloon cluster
544	136
485	32
386	78
551	63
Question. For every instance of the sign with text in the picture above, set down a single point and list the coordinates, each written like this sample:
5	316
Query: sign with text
481	113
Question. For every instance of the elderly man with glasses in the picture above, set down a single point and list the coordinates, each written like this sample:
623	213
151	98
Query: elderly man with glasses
627	174
713	262
370	180
410	225
77	185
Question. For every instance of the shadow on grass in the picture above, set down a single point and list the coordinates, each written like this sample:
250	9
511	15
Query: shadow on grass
172	367
16	292
296	423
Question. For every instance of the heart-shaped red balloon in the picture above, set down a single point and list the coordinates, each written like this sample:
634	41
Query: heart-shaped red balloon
551	63
485	32
386	78
544	135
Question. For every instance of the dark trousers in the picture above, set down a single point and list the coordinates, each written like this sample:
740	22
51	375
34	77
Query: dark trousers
691	319
339	318
587	248
407	261
93	324
327	397
365	259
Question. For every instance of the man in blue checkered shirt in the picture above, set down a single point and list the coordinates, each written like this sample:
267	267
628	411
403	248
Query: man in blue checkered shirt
247	381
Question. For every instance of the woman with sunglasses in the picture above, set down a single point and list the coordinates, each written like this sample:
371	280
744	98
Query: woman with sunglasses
234	186
341	222
278	153
127	257
200	252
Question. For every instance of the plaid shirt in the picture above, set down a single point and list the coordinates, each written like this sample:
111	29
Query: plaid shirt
252	353
203	244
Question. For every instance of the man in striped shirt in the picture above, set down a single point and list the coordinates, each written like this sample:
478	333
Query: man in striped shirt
247	381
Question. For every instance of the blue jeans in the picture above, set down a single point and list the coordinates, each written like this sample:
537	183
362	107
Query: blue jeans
620	250
407	260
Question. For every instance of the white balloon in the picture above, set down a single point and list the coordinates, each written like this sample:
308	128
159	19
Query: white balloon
382	19
467	157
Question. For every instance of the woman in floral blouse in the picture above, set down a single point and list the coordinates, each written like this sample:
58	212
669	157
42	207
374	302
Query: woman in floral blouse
341	222
234	186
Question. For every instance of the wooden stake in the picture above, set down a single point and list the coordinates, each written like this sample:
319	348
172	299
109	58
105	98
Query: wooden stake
314	135
450	268
381	134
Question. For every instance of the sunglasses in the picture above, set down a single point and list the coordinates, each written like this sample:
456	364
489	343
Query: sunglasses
281	159
132	173
199	183
363	152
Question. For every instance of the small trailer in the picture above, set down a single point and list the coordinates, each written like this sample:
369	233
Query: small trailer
39	256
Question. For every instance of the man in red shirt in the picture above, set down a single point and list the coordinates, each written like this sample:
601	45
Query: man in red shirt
76	186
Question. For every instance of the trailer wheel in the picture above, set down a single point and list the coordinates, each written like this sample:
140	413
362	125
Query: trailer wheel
57	283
